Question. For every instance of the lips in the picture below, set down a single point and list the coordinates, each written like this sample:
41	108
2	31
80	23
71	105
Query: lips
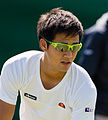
66	62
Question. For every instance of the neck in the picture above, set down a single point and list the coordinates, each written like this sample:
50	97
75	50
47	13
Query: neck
49	71
49	77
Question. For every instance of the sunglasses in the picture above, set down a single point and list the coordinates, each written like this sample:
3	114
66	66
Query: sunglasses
61	47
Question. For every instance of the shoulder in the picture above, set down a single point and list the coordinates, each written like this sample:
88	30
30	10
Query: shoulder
82	89
19	67
81	75
19	64
23	57
81	72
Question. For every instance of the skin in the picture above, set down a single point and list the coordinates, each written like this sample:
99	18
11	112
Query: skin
55	64
6	111
53	67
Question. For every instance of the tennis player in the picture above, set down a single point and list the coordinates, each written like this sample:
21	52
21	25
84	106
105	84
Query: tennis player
51	85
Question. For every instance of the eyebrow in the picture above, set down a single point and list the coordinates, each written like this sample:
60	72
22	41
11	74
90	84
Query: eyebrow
67	43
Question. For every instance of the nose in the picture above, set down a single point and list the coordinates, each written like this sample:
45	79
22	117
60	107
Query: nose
68	54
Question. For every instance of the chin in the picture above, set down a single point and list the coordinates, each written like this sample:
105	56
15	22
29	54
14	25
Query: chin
64	69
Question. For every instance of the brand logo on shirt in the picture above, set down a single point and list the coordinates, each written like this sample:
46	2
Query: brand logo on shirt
88	109
30	96
61	105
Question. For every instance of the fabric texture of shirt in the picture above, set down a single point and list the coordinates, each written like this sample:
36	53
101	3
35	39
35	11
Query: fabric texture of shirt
73	98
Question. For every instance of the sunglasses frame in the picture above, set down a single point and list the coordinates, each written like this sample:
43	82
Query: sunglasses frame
69	46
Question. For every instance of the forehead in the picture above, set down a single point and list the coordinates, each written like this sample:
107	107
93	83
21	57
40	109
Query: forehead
61	37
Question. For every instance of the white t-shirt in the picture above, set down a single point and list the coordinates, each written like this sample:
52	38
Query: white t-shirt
73	98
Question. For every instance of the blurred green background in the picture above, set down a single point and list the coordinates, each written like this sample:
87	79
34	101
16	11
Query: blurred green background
18	20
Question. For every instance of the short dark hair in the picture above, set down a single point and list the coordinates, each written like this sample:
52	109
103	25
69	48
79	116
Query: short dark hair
58	21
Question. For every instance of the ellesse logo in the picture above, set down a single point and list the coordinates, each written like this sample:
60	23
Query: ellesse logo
30	96
61	105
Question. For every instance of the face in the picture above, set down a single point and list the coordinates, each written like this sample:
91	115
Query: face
61	61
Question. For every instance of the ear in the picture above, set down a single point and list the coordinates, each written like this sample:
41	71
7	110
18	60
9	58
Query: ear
43	44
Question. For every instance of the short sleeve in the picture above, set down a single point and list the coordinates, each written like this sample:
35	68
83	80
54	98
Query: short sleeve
83	97
9	83
16	74
84	107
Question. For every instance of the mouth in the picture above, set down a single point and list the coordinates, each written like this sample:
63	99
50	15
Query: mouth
66	63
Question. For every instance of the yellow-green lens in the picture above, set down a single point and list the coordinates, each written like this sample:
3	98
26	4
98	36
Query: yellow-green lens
76	48
62	48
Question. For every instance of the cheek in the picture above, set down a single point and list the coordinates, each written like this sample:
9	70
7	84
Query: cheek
56	57
53	55
74	56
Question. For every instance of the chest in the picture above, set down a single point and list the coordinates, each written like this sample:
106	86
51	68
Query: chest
47	103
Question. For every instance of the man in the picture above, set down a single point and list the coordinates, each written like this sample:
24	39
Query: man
94	59
51	85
